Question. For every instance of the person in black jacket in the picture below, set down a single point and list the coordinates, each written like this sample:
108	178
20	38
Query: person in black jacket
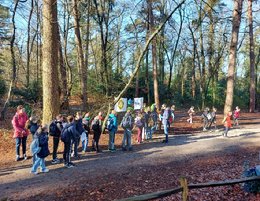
56	138
80	129
39	158
69	133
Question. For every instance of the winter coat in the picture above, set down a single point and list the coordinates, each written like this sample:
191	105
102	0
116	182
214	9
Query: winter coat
19	121
33	126
114	129
43	143
227	122
69	132
79	126
166	116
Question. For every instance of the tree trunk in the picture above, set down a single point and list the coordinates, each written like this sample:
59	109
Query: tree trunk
50	63
64	101
81	66
237	12
87	46
252	59
154	57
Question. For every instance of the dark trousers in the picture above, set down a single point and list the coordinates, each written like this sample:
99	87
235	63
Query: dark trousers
56	141
66	152
18	142
95	140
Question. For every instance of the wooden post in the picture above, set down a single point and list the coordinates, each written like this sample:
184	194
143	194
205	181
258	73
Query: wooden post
184	185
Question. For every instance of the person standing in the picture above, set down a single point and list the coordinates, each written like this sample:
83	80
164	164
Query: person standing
227	123
85	135
55	131
236	116
40	155
20	132
81	130
127	124
112	129
96	126
154	117
68	134
166	123
139	124
191	112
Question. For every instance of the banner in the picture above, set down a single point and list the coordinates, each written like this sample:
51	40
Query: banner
121	105
138	103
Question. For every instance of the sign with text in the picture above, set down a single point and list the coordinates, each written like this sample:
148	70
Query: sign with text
138	103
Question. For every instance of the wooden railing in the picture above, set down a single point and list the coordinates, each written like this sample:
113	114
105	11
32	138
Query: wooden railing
185	187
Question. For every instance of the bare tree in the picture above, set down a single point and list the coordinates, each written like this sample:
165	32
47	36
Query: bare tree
81	65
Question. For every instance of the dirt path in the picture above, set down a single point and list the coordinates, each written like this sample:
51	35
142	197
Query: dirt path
17	183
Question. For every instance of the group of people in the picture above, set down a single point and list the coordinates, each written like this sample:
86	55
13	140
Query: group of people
75	129
209	118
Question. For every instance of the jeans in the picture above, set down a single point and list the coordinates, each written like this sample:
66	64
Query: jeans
66	152
18	142
165	127
55	147
111	143
226	131
127	139
38	162
85	143
139	134
75	148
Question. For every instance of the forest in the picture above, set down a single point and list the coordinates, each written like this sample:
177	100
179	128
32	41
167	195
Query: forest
60	58
190	52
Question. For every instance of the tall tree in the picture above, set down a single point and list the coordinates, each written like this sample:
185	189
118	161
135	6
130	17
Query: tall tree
50	79
252	58
154	56
81	64
237	12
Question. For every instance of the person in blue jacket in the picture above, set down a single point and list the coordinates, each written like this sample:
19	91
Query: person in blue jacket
68	134
112	129
42	151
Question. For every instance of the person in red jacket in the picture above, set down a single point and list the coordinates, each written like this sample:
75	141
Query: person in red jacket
20	132
227	123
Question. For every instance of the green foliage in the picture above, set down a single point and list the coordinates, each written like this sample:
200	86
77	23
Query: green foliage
30	94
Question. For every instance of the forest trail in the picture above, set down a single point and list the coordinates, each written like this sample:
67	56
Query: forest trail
17	183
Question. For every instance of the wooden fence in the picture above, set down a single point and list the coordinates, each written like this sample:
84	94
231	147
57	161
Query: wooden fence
185	187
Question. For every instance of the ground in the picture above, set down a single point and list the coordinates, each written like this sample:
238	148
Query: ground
152	166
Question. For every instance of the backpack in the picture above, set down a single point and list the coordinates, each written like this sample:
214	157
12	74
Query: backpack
65	134
127	122
95	125
209	116
139	123
110	124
